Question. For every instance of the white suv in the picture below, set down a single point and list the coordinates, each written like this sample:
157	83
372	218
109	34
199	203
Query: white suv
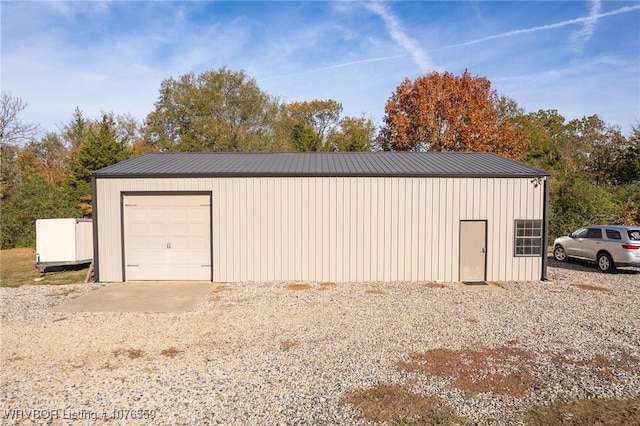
607	246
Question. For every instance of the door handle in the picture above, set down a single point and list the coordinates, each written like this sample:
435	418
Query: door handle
168	245
484	250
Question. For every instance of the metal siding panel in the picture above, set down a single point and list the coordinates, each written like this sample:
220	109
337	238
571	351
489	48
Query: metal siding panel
108	240
288	225
502	225
403	255
357	218
493	234
386	225
514	197
217	239
439	236
298	237
423	219
244	257
259	219
340	229
450	196
253	238
270	222
355	247
394	217
230	230
326	232
279	221
305	238
367	264
378	230
314	234
453	228
414	230
233	231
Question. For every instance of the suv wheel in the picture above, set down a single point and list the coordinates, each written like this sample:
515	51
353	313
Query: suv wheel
559	254
605	264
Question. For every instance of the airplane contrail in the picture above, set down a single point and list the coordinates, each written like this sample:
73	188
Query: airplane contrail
590	18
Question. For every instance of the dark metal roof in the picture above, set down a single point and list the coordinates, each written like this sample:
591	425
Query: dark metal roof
414	164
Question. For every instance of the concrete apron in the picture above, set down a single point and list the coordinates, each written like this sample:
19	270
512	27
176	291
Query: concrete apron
148	296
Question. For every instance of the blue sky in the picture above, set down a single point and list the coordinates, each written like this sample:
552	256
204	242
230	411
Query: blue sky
580	58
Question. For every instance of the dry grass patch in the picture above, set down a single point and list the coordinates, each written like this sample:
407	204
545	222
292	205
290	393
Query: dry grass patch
600	365
221	287
171	352
131	353
374	291
591	287
386	403
298	286
435	285
17	268
501	370
327	285
214	295
586	412
285	345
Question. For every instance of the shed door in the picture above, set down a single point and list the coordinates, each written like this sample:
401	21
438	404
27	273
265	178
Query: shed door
473	250
167	237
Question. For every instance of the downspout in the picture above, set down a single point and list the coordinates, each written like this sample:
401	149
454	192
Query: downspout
545	228
94	216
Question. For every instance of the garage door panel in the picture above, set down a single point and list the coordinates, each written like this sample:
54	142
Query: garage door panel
167	237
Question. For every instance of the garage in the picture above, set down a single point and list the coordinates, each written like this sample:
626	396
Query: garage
167	237
336	217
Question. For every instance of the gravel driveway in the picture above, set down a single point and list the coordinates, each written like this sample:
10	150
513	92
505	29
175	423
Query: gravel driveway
276	353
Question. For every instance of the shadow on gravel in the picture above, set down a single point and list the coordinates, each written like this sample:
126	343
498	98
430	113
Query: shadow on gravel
583	266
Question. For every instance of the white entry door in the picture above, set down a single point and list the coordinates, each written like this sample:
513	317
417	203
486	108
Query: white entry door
473	250
167	237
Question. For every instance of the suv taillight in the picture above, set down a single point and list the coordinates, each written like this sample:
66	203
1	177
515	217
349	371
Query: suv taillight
630	247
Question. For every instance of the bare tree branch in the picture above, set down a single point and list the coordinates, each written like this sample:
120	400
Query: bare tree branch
13	131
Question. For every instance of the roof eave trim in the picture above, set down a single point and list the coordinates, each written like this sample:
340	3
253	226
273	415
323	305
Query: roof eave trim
265	175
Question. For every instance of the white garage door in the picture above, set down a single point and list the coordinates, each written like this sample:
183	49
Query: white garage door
167	237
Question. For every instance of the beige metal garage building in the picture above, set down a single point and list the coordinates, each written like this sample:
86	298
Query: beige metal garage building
392	216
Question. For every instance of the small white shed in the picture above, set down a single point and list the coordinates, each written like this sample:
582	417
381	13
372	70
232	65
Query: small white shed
389	216
65	241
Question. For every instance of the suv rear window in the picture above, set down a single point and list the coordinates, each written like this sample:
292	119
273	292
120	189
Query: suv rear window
634	234
612	234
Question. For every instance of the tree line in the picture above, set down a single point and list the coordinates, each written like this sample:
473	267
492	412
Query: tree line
595	169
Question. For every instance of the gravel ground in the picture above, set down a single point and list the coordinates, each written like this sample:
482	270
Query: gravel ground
262	353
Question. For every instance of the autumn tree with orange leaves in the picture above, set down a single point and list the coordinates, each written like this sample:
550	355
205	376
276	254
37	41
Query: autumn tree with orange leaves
443	112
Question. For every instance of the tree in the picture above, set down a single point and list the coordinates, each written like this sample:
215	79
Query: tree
546	132
214	111
47	158
13	134
304	137
76	131
103	148
595	149
320	116
352	134
14	131
442	112
628	169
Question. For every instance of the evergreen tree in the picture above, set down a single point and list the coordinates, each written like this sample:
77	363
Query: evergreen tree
102	148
